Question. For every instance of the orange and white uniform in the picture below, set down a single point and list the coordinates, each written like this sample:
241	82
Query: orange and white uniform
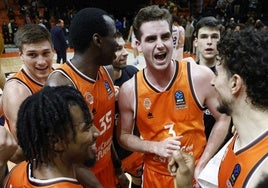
100	98
237	168
21	176
173	112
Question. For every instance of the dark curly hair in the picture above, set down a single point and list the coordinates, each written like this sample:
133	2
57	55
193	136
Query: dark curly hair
45	117
150	13
246	53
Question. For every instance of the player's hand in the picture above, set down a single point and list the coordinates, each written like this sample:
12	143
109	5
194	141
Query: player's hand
122	178
181	165
8	145
166	147
116	88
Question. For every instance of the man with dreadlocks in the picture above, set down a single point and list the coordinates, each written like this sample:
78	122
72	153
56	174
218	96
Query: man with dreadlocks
55	131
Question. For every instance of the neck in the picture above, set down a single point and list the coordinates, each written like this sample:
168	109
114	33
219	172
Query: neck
117	73
86	66
207	62
163	78
52	170
249	126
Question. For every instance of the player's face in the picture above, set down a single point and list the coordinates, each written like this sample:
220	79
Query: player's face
121	54
38	59
82	148
156	43
207	42
222	85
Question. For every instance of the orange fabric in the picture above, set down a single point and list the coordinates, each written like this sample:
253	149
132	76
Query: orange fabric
26	80
133	164
164	114
21	176
160	180
237	168
100	98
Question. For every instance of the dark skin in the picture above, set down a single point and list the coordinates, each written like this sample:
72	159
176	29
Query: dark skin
101	52
181	166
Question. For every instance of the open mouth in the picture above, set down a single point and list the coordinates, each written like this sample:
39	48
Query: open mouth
161	56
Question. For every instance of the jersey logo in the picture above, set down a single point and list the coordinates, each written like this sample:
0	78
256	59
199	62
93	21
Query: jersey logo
234	175
89	98
108	89
150	115
179	99
147	103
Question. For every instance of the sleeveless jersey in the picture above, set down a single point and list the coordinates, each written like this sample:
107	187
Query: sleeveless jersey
237	168
23	78
100	98
173	112
21	176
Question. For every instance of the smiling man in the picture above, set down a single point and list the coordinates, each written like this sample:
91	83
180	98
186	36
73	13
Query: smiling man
64	136
36	52
166	101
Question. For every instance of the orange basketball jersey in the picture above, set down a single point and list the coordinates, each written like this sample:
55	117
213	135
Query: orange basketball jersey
237	168
22	77
21	176
173	112
100	98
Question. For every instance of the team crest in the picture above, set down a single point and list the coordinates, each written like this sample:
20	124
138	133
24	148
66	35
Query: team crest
179	99
147	103
89	98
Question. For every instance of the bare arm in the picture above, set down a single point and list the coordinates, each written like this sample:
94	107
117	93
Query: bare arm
123	180
13	95
208	96
8	146
132	142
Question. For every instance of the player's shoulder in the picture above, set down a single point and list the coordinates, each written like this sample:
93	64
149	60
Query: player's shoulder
127	85
202	69
14	86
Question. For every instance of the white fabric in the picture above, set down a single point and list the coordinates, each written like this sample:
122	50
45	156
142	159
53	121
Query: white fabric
208	178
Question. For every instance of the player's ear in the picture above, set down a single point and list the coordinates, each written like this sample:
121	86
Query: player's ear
236	83
96	39
138	45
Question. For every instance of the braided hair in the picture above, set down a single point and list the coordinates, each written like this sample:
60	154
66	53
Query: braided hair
45	117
